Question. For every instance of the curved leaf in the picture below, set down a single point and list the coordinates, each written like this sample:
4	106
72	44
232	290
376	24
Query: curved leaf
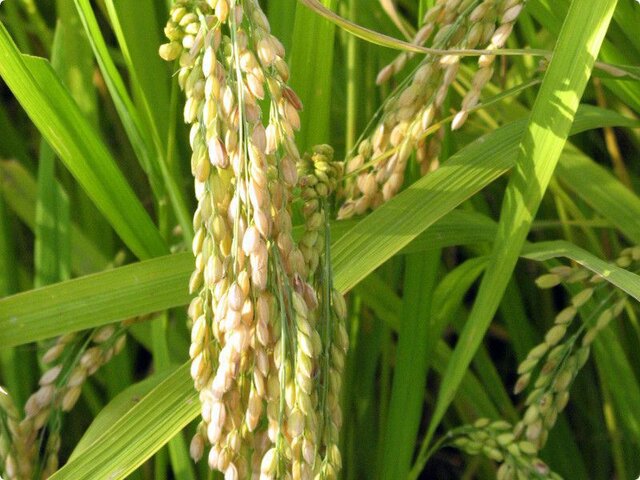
57	116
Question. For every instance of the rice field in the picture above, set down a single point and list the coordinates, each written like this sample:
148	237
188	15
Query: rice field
323	239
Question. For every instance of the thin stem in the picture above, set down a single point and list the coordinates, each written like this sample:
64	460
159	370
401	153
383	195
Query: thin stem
327	286
387	41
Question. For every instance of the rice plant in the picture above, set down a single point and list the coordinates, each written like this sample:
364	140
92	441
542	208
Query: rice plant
359	239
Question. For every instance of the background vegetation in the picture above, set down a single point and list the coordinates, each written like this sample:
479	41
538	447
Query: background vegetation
95	229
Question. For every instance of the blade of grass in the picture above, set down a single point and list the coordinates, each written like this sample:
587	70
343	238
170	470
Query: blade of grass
181	463
547	131
409	379
122	101
458	227
311	67
360	381
17	382
52	243
282	18
8	260
549	13
137	435
12	143
627	16
96	299
78	78
449	295
20	192
58	118
145	141
117	408
604	192
52	233
473	396
17	26
472	393
139	36
353	83
374	289
618	377
113	296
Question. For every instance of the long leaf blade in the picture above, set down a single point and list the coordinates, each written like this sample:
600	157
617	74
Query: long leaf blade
58	118
547	131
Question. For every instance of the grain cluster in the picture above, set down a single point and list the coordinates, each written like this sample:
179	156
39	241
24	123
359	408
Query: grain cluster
410	121
265	356
548	371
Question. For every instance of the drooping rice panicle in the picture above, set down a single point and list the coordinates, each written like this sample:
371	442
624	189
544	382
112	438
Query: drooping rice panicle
561	355
551	367
70	361
496	441
255	344
375	173
319	178
17	447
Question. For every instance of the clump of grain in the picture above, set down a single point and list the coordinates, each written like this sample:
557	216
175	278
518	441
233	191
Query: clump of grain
551	367
71	360
16	441
255	341
496	441
319	177
409	122
558	359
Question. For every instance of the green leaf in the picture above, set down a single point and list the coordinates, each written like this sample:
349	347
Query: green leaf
139	35
311	66
95	300
58	118
137	435
281	18
144	138
619	377
19	190
376	294
472	392
599	188
458	227
52	244
117	408
549	13
410	377
542	143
